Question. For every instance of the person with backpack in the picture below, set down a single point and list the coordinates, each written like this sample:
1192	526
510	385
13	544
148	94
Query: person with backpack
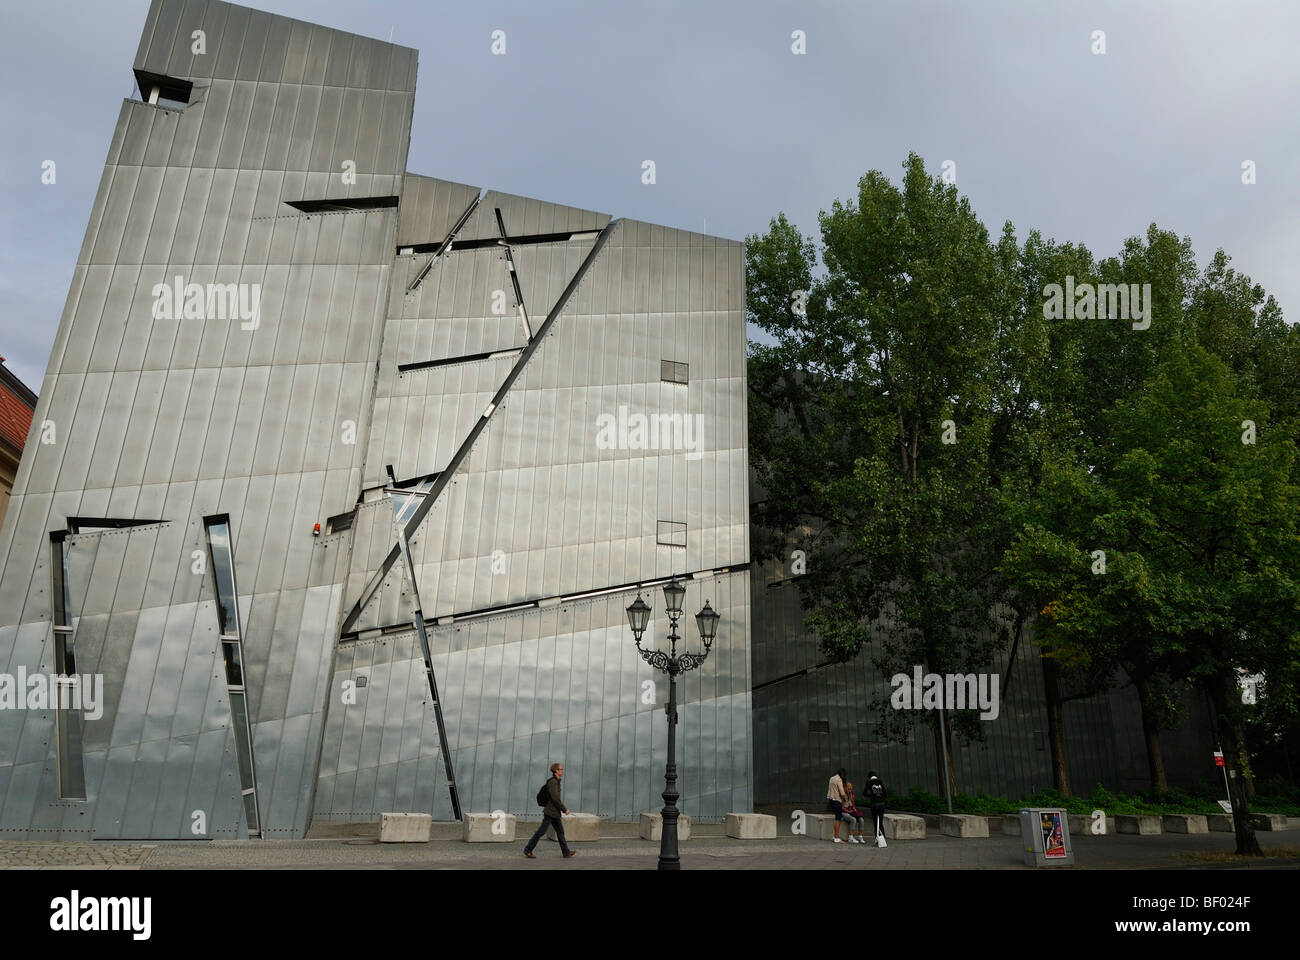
875	795
553	811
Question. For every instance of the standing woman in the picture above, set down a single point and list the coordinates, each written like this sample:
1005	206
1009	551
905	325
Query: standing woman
835	798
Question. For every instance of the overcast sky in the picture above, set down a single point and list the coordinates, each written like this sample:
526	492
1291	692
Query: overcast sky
1087	148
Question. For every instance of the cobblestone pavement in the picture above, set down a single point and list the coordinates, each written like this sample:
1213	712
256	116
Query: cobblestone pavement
1120	852
23	855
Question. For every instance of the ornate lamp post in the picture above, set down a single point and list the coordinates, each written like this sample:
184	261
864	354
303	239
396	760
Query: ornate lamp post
638	615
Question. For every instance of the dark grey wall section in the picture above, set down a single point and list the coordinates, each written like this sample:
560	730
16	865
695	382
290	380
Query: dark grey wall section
794	686
176	419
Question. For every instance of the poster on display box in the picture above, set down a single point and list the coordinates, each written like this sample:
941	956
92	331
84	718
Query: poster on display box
1053	836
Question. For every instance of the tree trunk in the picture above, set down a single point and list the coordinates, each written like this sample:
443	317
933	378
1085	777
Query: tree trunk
1055	729
1151	734
1248	772
942	740
1234	755
942	735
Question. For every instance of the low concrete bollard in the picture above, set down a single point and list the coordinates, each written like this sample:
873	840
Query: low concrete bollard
751	826
578	828
902	826
405	827
821	826
479	828
652	827
1268	821
963	825
1219	822
1081	826
1185	823
1011	825
1144	825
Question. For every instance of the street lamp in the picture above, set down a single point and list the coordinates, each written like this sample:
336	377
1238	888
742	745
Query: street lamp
638	615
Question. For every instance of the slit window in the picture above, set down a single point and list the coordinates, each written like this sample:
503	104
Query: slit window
223	572
234	664
819	726
671	371
343	205
340	522
67	704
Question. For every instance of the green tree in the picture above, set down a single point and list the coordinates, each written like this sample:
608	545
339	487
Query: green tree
876	411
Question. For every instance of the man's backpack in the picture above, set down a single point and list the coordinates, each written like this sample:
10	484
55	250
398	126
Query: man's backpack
877	791
544	794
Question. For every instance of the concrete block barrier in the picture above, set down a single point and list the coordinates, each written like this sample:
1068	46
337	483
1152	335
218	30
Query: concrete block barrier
903	826
751	826
963	825
1269	821
652	827
1185	823
485	828
1143	825
578	828
405	827
1081	825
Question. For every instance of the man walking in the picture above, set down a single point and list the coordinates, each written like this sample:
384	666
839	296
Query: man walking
552	813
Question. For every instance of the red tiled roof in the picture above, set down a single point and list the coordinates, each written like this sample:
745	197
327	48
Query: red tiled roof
15	418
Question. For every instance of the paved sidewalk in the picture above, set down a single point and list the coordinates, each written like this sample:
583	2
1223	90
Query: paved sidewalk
1122	852
32	855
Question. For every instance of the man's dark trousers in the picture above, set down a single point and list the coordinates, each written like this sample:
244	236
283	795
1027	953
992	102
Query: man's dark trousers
558	824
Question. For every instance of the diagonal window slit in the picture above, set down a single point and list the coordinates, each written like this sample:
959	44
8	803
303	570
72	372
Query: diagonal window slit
438	249
468	358
514	279
346	205
524	240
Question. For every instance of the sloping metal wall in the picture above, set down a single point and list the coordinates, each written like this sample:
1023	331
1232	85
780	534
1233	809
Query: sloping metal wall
178	419
296	416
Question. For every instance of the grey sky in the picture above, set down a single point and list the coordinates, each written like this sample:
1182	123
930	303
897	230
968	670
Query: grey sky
1085	148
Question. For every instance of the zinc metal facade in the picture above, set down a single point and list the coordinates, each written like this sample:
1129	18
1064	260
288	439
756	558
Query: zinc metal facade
381	353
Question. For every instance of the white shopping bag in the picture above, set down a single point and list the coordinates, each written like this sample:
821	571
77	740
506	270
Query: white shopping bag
880	839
